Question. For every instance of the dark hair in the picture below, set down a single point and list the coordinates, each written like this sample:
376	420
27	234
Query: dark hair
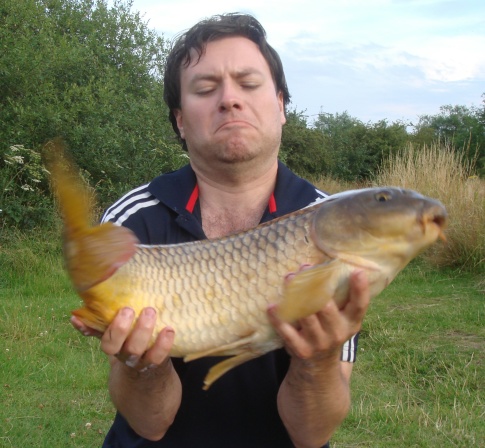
214	28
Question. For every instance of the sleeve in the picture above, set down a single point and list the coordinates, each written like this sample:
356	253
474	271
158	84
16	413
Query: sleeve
349	349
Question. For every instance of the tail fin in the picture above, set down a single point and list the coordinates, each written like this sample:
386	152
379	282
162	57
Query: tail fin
92	254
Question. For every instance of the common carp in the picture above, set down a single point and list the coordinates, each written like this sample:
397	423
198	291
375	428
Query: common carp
215	293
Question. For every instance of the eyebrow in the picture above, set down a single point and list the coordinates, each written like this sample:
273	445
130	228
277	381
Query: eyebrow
242	73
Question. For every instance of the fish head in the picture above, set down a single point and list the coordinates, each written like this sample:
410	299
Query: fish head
378	226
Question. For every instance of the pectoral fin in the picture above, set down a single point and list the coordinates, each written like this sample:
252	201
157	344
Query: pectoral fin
310	290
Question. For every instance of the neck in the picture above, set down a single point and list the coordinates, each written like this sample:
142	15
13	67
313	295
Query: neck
232	204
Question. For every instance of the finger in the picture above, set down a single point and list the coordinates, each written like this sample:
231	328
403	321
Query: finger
115	335
314	336
291	337
160	350
84	329
359	296
139	339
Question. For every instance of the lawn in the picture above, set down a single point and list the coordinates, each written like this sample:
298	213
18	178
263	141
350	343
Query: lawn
419	380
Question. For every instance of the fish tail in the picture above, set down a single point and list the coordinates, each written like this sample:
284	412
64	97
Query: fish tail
74	199
92	254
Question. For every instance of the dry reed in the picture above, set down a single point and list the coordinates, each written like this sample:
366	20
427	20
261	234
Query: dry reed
441	172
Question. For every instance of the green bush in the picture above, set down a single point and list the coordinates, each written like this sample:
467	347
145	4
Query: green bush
23	183
92	74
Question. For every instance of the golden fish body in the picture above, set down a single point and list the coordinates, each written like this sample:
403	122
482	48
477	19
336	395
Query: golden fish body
215	293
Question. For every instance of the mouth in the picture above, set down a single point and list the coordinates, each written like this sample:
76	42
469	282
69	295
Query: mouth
233	124
437	218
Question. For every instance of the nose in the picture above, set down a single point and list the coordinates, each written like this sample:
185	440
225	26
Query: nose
230	98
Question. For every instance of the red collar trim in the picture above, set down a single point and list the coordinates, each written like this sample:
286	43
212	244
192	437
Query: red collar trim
272	203
193	199
195	195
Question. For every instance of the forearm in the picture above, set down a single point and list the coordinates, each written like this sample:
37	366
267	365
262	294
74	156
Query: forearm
313	400
148	400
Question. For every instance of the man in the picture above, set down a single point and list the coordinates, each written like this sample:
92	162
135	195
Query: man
226	91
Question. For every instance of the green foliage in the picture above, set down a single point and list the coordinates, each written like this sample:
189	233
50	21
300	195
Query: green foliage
91	74
303	148
460	126
356	149
23	186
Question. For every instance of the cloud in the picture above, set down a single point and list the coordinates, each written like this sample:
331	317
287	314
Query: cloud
376	59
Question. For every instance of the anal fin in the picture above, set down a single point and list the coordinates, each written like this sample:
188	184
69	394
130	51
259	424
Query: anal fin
233	348
224	366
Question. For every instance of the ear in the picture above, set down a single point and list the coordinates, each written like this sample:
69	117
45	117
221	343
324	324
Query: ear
180	122
281	104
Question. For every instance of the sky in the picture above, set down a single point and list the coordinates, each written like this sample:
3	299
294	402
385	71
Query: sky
374	59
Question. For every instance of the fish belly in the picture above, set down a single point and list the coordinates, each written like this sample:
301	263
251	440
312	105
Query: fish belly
215	293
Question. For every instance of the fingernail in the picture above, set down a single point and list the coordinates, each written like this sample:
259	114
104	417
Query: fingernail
358	273
169	333
272	309
127	312
132	361
148	367
150	312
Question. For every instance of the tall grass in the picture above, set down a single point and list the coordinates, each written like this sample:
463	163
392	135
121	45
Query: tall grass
53	380
441	172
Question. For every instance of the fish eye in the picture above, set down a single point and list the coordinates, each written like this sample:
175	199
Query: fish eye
383	196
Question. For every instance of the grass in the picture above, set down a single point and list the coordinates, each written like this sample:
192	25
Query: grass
420	375
418	382
442	173
53	381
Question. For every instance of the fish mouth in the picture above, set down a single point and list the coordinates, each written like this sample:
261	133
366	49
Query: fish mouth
436	218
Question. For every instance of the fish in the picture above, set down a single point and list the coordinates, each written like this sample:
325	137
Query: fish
215	293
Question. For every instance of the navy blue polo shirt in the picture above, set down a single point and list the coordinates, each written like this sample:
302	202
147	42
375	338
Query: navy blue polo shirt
239	410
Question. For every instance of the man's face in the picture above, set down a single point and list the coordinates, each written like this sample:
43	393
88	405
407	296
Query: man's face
230	110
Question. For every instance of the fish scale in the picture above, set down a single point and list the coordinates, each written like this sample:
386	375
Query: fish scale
217	269
215	293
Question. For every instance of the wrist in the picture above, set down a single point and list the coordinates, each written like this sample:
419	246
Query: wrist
320	365
144	373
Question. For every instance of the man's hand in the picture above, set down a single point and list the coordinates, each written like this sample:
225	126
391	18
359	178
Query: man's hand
323	333
314	397
132	344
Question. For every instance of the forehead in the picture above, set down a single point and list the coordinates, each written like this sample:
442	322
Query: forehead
227	54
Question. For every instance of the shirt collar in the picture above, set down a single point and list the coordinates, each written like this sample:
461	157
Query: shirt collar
179	191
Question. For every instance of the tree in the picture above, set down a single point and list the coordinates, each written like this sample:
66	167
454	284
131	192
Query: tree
459	126
91	74
303	149
357	149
